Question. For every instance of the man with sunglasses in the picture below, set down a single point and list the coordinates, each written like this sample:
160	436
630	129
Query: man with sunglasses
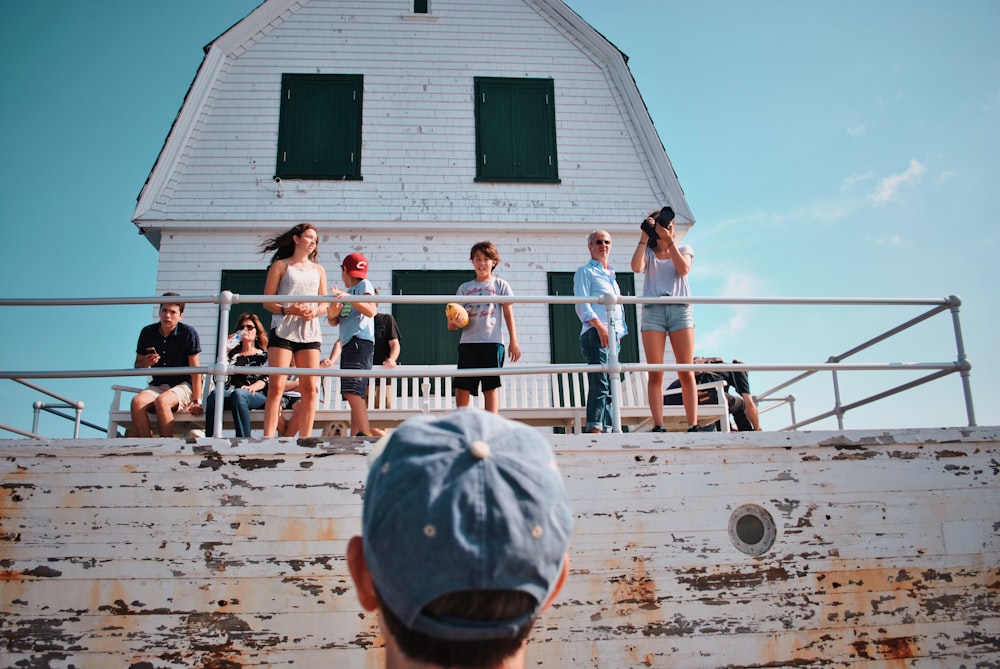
596	279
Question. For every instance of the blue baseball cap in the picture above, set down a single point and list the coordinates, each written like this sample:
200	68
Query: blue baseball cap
464	501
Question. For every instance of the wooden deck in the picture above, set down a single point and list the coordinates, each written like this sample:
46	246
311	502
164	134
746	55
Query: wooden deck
224	553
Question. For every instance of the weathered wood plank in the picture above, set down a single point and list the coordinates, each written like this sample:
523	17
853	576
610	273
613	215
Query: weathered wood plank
194	553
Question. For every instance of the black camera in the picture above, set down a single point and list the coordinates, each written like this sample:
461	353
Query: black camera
665	216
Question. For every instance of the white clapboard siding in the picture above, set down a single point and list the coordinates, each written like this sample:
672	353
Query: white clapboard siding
418	118
211	197
181	553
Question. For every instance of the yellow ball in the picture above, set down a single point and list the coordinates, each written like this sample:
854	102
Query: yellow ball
455	311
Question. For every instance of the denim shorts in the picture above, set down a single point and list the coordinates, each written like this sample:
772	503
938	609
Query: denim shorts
667	317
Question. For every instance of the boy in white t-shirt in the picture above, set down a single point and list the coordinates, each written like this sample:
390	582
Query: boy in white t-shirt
481	345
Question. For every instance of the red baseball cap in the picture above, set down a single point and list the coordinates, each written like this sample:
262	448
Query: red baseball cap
356	265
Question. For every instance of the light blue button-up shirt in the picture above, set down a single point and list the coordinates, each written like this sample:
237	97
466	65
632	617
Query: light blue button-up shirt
592	280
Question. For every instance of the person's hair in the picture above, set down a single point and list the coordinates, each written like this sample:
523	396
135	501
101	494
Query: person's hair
488	249
465	605
283	245
590	237
261	332
180	305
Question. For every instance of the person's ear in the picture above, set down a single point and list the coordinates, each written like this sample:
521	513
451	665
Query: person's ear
560	583
360	575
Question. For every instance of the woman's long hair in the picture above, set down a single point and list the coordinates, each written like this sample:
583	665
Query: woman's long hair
284	245
261	340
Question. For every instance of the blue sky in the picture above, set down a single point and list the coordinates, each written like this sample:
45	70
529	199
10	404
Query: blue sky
827	149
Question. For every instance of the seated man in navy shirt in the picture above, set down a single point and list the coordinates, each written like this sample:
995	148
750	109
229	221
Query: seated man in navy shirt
168	343
742	406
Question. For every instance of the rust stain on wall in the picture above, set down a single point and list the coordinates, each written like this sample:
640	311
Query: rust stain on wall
179	554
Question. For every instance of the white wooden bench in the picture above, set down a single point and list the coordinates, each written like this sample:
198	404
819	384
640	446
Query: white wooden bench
556	400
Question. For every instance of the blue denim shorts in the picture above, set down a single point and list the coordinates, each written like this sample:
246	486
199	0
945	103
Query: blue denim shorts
667	317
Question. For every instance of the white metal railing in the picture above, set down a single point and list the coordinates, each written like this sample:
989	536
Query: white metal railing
220	369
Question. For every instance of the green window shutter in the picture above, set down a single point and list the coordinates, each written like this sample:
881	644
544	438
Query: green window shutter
245	282
419	6
564	330
515	130
424	335
319	132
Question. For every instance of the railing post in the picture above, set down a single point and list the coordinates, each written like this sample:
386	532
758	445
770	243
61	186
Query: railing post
221	362
37	406
79	419
614	367
837	410
963	361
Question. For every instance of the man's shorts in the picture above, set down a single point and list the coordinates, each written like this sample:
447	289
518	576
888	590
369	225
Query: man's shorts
293	346
481	355
181	390
667	317
356	354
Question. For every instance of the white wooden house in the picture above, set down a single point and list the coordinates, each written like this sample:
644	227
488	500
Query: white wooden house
409	130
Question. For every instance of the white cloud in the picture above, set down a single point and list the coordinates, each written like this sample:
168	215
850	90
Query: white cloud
857	130
890	240
853	179
890	185
735	283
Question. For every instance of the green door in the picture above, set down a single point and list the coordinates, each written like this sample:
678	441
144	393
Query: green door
424	335
246	282
564	333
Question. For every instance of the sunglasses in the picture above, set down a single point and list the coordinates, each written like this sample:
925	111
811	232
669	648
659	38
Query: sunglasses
602	242
248	326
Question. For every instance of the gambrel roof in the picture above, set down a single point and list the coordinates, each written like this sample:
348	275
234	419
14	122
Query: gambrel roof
612	161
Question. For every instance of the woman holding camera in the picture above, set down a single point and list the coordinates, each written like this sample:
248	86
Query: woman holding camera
665	266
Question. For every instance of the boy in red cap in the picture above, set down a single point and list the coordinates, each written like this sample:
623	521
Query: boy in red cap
357	337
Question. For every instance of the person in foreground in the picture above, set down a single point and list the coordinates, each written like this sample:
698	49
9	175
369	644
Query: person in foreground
595	279
167	343
465	530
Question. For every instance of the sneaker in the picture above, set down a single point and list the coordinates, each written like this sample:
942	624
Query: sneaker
659	428
701	428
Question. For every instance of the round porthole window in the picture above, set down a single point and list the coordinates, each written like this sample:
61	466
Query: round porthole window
751	529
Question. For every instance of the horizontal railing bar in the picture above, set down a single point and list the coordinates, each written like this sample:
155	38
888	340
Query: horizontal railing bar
833	364
868	400
72	403
891	332
895	391
23	433
514	299
54	411
409	371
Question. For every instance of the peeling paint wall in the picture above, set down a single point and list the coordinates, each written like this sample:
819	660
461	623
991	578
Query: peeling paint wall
225	554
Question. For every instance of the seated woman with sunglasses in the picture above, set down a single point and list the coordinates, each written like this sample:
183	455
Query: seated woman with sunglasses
243	392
